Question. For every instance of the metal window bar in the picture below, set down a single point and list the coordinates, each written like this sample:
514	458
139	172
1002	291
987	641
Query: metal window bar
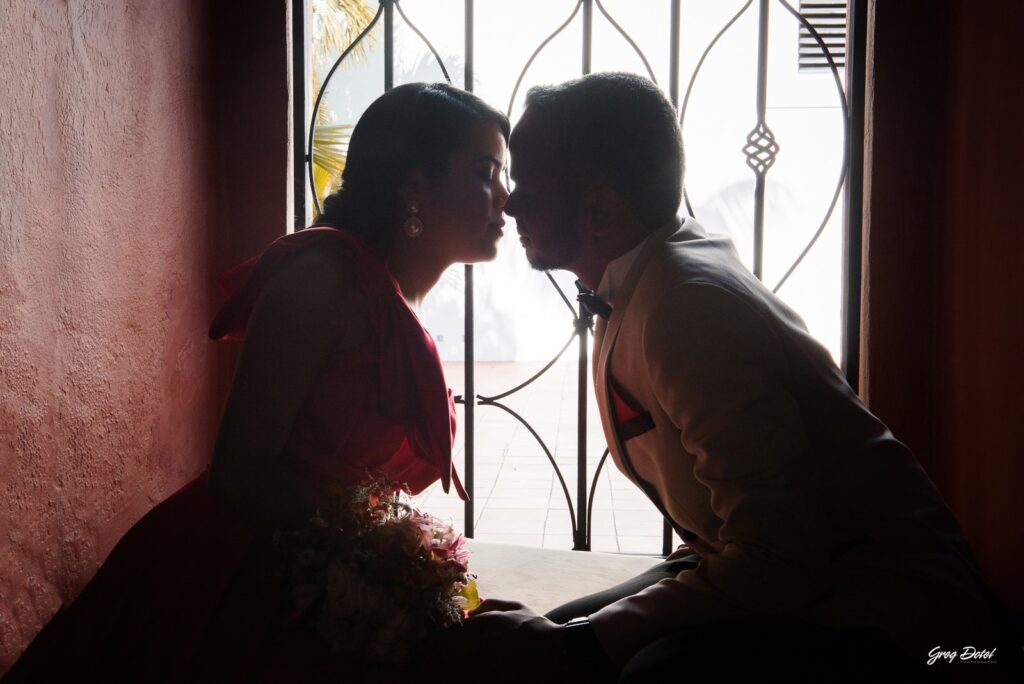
761	149
469	353
856	46
299	9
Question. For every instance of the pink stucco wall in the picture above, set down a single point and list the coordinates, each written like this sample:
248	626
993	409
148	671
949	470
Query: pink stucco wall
113	224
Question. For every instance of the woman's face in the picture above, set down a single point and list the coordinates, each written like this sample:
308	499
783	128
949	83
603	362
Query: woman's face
462	210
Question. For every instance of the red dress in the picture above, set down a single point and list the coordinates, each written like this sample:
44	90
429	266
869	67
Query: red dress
187	594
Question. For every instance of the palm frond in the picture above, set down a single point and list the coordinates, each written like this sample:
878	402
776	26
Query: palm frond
330	148
336	25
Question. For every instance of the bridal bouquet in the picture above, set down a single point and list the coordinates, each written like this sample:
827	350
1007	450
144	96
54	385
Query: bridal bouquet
374	575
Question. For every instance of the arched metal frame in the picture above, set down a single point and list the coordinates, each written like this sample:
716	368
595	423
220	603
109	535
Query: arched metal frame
761	149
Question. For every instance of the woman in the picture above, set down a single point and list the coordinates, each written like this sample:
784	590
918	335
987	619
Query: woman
336	382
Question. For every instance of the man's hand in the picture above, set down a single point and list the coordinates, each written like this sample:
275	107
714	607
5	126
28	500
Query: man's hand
504	641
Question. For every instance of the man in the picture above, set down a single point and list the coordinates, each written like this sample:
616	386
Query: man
821	546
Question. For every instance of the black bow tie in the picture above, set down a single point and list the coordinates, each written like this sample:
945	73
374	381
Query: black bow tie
592	303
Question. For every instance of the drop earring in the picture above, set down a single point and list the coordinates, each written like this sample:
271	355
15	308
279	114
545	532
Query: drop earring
413	226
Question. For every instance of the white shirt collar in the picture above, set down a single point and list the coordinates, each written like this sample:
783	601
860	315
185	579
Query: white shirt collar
616	270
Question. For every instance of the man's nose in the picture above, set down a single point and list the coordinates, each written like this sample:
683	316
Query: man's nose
511	204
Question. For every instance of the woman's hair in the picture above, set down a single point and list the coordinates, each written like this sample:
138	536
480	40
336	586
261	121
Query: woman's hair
416	126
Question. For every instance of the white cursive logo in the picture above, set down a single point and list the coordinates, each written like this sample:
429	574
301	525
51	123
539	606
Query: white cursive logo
967	653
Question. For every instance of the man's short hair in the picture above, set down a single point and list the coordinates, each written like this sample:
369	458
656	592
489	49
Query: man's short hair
616	130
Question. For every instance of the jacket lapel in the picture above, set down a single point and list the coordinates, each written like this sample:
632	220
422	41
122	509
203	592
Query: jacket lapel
604	335
604	345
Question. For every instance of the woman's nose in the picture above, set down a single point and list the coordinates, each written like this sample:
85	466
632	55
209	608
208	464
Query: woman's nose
501	198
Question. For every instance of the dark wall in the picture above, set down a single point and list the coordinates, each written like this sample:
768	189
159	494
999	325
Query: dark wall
249	76
943	330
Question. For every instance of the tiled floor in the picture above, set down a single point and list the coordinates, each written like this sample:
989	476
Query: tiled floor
518	499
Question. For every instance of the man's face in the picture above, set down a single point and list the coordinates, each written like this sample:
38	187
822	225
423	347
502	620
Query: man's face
544	216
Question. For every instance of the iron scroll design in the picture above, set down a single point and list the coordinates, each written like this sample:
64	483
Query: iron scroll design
311	131
384	8
845	165
533	56
693	79
582	320
761	146
761	149
581	323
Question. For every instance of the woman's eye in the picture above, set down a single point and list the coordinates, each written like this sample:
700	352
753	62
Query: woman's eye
488	172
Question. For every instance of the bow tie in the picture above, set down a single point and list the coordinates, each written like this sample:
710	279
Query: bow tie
593	303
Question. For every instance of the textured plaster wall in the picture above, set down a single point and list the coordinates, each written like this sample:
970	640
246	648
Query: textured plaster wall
112	228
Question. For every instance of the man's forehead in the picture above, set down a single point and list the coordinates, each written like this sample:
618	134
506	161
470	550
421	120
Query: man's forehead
533	141
533	126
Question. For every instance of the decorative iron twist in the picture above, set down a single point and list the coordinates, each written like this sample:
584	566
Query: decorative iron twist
761	148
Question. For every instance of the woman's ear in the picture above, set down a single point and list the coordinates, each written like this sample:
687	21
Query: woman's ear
414	189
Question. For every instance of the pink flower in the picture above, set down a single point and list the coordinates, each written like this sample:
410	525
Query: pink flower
388	573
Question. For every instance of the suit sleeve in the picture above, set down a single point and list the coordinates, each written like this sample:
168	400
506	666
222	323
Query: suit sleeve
718	370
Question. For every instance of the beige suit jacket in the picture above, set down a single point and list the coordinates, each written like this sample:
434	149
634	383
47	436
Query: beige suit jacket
799	501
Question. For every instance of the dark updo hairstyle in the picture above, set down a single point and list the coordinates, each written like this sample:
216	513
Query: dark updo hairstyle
416	126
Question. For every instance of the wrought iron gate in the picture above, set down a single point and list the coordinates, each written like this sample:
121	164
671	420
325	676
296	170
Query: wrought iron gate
760	147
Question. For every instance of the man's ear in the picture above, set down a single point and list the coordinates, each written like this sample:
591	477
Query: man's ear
601	208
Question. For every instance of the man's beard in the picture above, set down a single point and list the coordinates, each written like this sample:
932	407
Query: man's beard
544	265
558	256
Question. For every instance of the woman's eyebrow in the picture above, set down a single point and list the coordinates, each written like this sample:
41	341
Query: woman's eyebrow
489	158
